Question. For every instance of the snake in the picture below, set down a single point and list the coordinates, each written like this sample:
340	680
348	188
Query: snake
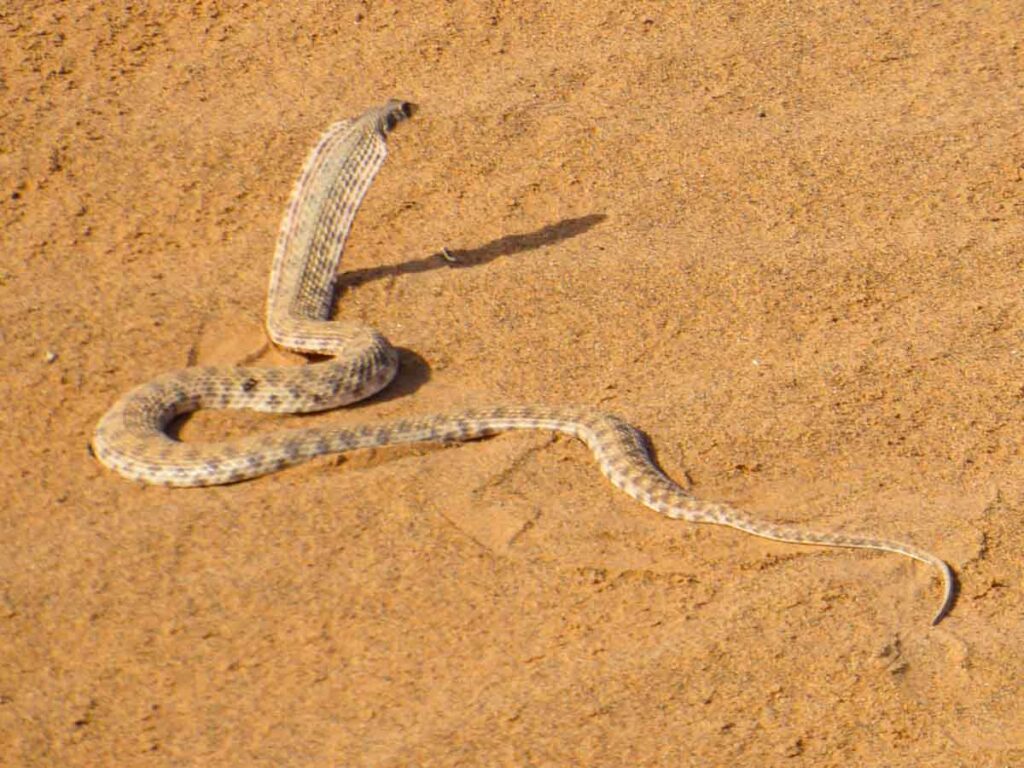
132	437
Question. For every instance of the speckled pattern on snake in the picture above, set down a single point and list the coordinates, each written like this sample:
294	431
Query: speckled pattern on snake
131	438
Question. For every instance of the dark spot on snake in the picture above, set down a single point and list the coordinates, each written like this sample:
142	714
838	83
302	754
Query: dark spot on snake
249	384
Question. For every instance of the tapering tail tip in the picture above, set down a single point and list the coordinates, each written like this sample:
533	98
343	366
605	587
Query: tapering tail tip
949	592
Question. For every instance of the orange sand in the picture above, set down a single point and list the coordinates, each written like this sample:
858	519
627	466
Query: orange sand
786	240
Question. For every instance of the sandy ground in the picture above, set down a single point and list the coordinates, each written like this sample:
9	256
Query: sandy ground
785	240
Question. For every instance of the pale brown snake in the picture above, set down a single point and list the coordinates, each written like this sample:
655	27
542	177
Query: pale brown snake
131	437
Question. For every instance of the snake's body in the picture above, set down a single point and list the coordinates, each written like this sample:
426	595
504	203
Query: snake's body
131	437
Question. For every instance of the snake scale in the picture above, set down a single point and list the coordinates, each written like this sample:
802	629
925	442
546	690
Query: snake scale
131	438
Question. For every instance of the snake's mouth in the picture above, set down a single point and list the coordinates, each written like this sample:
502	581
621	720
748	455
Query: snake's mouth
395	111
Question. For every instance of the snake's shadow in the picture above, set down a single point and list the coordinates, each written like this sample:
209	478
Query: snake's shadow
413	370
459	258
413	373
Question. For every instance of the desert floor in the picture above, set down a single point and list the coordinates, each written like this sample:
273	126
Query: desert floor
784	239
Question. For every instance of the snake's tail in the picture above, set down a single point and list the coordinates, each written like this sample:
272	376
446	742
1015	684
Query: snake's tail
950	585
796	536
